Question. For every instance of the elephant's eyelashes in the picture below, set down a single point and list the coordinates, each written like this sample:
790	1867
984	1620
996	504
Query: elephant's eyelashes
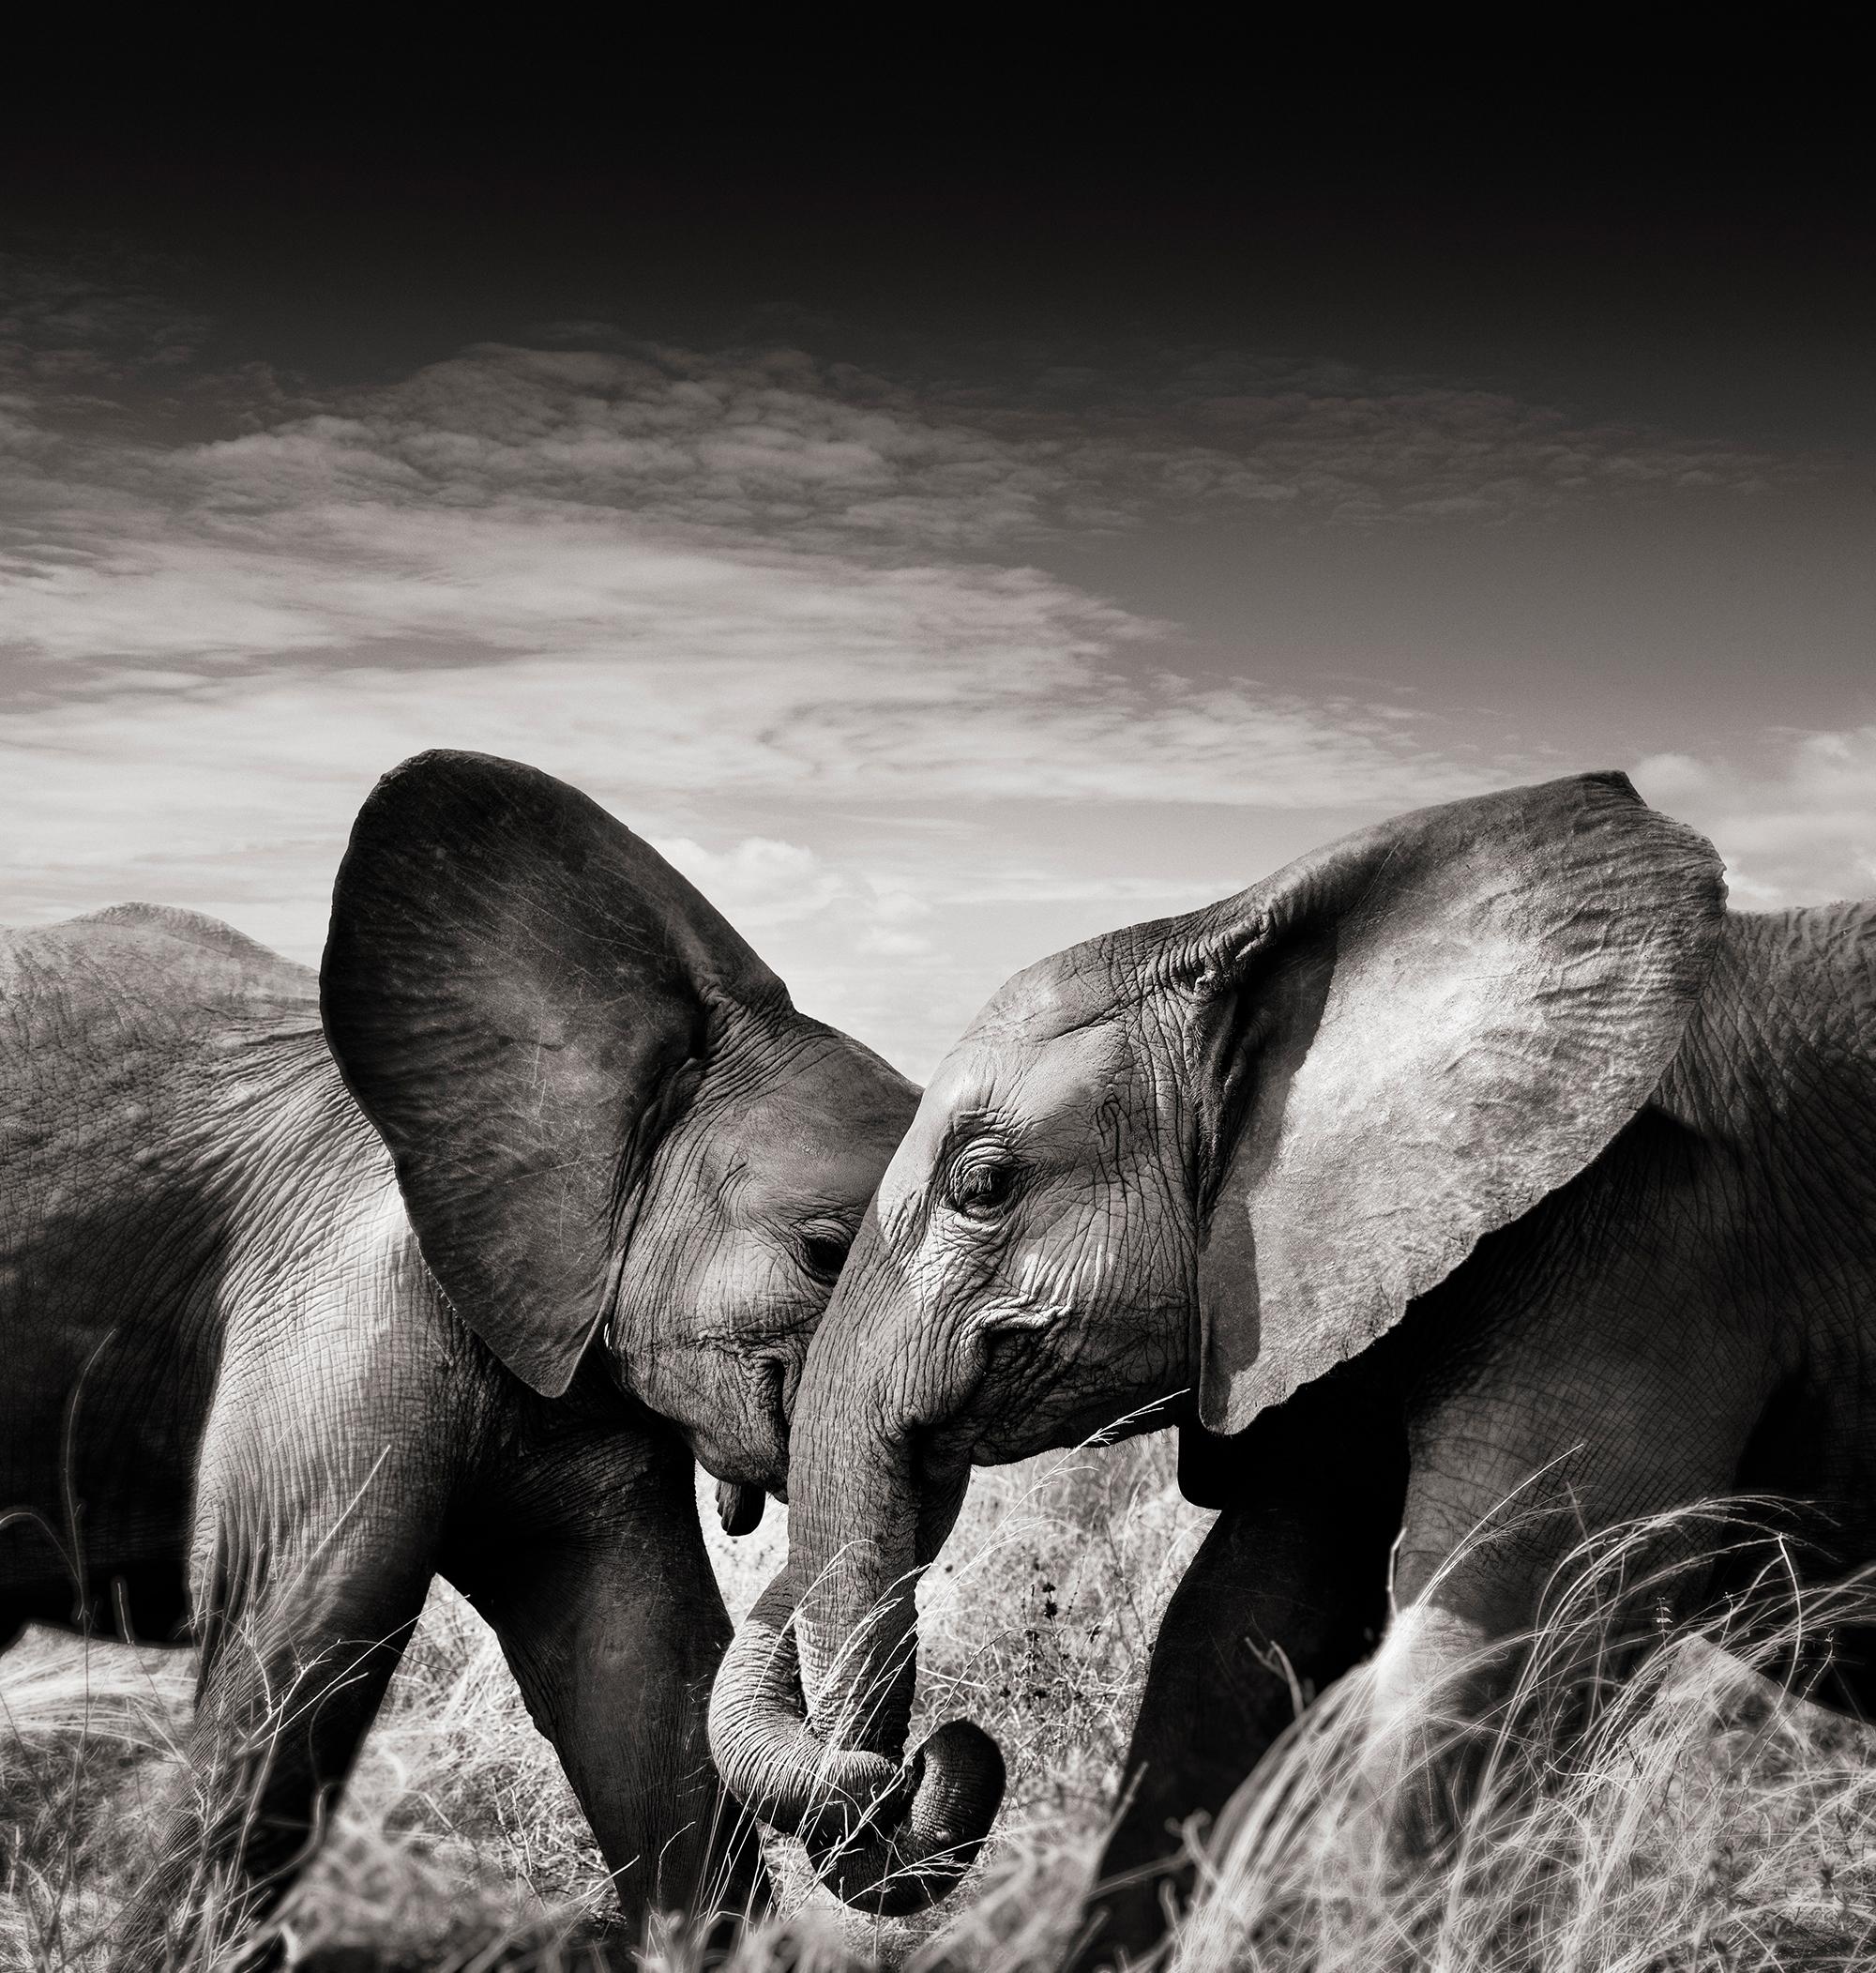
981	1184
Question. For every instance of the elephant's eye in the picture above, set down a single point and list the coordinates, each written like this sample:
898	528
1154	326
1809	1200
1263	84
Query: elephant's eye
825	1255
980	1185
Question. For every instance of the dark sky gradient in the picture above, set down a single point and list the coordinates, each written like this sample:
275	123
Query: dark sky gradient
1727	298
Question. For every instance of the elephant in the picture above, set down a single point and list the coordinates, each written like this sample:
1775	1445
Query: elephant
1483	1153
450	1260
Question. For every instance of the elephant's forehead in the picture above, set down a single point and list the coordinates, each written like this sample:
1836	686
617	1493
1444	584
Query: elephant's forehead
782	1175
818	1130
843	1155
953	1089
835	1110
1065	991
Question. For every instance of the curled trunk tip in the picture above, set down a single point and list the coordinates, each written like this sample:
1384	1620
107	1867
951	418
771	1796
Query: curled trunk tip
886	1837
912	1844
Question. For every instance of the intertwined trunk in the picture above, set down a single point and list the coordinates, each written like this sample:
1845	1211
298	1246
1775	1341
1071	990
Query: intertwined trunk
809	1715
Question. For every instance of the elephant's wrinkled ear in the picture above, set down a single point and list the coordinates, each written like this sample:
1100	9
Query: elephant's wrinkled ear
1407	1040
521	995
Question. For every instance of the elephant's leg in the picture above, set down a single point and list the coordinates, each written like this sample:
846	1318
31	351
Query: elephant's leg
1815	1511
314	1547
1538	1449
1288	1592
613	1627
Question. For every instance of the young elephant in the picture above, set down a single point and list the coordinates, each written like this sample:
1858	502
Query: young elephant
294	1320
1507	1061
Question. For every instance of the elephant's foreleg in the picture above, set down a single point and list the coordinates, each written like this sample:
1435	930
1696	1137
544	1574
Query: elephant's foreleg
1289	1590
280	1711
313	1552
1522	1476
614	1628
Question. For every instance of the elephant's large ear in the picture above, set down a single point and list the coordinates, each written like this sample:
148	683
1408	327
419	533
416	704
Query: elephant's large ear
1407	1040
521	995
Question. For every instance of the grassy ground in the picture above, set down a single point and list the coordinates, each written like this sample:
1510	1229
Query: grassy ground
1707	1823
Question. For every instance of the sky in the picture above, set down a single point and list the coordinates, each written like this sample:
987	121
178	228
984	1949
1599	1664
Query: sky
939	566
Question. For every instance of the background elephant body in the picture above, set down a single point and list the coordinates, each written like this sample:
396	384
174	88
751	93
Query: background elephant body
238	1405
225	1357
106	1072
1479	1158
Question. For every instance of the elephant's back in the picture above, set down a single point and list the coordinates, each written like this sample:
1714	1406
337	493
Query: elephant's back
1773	1088
128	1043
138	996
1790	1007
1827	962
153	965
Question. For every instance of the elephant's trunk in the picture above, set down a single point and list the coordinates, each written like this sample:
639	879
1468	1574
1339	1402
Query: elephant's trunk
809	1714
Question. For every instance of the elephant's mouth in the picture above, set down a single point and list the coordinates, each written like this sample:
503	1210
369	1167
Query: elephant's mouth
739	1501
737	1431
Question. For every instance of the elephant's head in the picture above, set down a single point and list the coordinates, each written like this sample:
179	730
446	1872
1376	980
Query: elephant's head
1218	1154
604	1112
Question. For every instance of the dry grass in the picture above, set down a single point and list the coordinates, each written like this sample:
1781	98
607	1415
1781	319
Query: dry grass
1705	1819
1706	1822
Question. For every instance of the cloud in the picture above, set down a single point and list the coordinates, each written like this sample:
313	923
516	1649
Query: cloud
691	674
235	794
772	440
1369	447
762	884
194	712
775	445
73	323
782	616
465	559
1796	823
